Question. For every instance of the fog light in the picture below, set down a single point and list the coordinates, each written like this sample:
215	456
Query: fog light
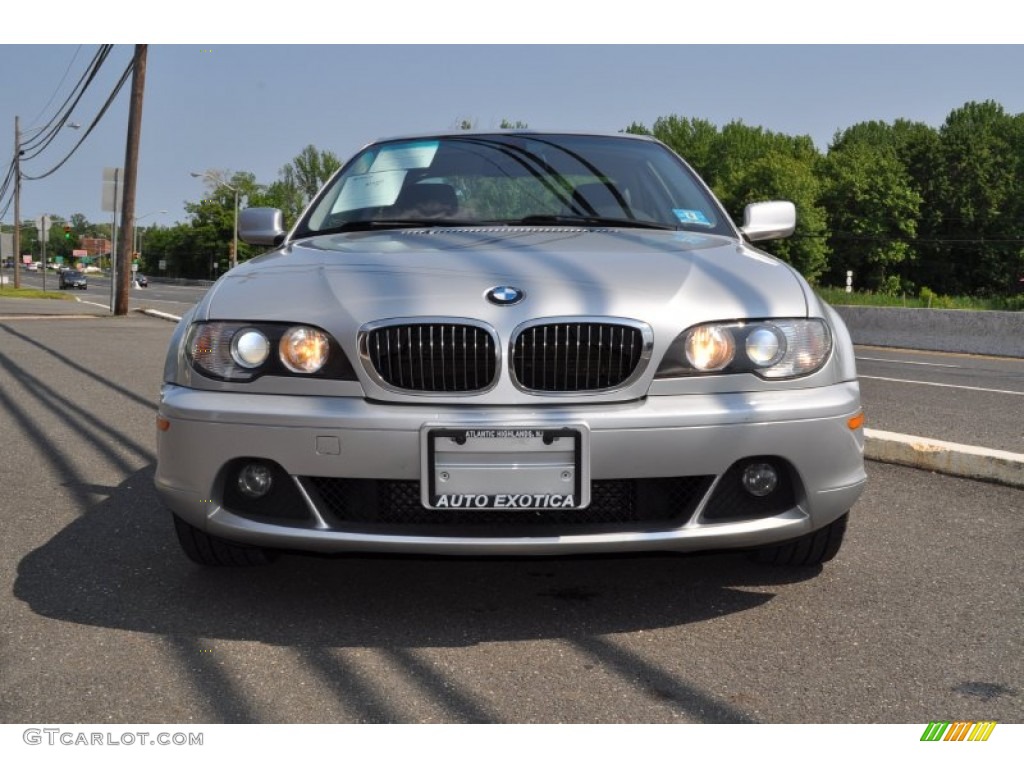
760	479
255	480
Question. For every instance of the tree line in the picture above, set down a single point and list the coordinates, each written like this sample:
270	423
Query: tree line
908	208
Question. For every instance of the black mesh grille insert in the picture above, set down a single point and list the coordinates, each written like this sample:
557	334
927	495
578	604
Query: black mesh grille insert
574	357
433	357
393	506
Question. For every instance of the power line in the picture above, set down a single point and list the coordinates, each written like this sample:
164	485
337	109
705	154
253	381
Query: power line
92	125
59	120
61	114
45	137
59	84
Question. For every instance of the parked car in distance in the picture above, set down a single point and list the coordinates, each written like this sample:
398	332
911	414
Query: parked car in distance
141	280
72	278
511	343
32	266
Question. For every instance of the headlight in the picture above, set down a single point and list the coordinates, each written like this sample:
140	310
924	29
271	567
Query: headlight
709	348
766	345
232	351
250	348
304	349
771	349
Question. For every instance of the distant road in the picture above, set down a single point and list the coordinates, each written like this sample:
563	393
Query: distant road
968	399
175	299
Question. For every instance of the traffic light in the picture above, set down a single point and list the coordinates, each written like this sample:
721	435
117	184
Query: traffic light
67	232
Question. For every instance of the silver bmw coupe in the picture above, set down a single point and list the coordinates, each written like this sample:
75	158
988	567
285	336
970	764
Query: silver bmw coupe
511	343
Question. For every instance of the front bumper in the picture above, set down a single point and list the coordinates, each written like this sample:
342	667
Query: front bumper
657	437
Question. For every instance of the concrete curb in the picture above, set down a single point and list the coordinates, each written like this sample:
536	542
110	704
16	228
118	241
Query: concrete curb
907	450
161	315
955	459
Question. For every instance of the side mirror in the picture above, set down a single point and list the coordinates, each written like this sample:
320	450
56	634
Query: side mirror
261	226
769	221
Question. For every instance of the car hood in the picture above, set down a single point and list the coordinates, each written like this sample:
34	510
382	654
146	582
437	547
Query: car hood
670	280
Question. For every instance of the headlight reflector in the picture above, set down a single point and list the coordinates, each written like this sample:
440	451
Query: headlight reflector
209	349
709	347
808	344
765	346
304	349
250	348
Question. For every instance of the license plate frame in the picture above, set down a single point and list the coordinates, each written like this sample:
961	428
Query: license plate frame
501	467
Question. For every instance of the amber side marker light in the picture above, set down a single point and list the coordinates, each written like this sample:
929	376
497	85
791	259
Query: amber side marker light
162	424
856	422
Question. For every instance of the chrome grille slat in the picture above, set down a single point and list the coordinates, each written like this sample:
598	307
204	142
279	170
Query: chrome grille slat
576	357
432	356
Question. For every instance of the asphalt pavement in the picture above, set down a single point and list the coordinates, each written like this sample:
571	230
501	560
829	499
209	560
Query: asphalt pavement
103	619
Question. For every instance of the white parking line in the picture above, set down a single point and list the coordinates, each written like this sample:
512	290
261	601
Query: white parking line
93	303
908	362
947	386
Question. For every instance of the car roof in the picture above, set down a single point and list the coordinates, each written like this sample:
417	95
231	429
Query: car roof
455	133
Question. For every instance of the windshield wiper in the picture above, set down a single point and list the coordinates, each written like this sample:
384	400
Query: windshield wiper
590	221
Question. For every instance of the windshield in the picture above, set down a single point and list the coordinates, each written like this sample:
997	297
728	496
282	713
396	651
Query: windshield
515	179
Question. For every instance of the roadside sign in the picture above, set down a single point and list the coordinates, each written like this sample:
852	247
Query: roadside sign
59	259
135	267
26	258
162	264
113	188
79	252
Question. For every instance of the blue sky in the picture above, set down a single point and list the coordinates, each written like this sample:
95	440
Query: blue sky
235	107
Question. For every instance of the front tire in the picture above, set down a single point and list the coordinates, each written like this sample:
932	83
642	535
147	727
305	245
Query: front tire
202	548
813	549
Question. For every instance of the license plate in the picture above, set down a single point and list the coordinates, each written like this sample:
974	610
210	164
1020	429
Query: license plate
524	468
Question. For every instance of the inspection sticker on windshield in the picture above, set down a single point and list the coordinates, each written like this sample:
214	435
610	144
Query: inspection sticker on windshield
689	216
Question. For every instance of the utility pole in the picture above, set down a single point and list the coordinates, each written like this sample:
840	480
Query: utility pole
17	203
44	235
131	162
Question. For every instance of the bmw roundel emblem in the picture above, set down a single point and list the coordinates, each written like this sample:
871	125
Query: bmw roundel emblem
505	295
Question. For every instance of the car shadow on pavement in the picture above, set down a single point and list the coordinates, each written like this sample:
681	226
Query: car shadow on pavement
119	566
